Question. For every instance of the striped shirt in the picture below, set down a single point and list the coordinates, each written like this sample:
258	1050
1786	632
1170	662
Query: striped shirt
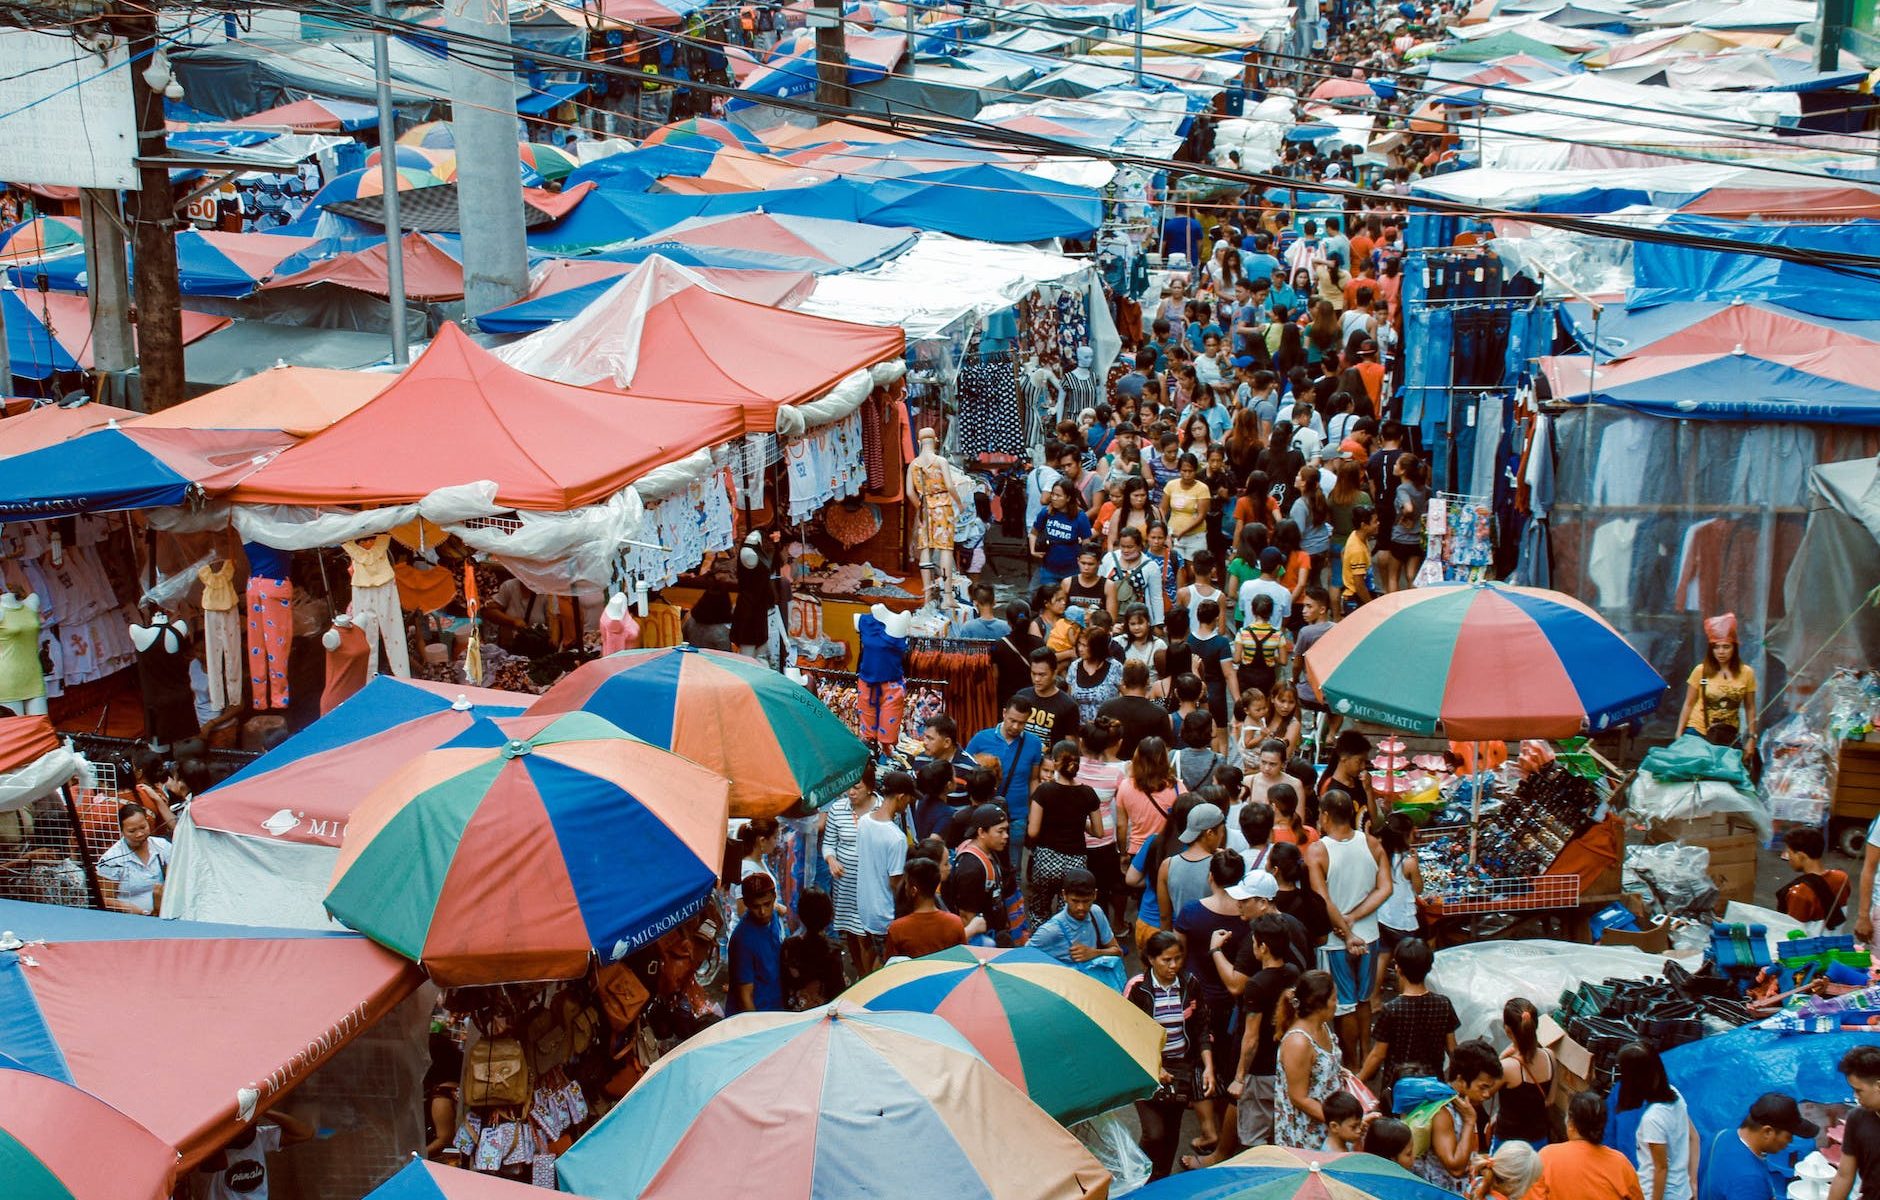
1170	1015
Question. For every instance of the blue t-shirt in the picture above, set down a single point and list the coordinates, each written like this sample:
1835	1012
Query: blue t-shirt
756	955
1149	912
1258	266
1057	935
984	629
1062	534
1016	759
882	652
1735	1172
1249	315
266	561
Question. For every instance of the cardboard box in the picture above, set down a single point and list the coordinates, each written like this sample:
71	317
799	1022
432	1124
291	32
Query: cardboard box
1573	1063
1652	939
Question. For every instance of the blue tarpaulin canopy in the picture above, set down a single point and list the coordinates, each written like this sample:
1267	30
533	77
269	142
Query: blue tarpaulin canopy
1798	1065
1663	272
110	470
31	350
202	269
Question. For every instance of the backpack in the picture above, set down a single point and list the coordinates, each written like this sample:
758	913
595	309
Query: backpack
622	994
1832	904
545	1039
496	1074
581	1021
1420	1120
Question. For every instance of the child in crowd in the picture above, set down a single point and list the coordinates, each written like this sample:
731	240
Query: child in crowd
1816	893
1412	1032
1079	934
812	964
1344	1123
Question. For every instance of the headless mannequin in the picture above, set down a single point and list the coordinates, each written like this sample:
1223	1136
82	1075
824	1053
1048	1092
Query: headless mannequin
163	673
347	653
880	686
619	631
935	495
22	687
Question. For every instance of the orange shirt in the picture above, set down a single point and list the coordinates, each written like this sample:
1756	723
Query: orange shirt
1298	567
1361	247
1583	1171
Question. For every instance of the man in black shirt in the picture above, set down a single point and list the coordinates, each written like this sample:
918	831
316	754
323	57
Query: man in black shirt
1053	713
978	886
940	737
1139	716
1269	976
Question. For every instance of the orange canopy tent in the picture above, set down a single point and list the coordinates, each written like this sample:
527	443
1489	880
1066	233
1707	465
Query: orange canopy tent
430	274
37	428
299	400
459	415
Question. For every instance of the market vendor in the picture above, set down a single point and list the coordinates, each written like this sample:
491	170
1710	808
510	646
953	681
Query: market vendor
1734	1168
1720	703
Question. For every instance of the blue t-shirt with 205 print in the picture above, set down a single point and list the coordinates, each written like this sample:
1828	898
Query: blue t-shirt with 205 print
756	957
1735	1172
1062	534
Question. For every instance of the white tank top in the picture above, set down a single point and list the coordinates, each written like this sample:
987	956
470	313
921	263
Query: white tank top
1350	874
1400	911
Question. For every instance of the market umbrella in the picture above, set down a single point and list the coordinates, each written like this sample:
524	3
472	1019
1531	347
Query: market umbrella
522	847
432	134
421	1180
39	238
705	130
60	1143
418	158
1482	661
1278	1173
836	1101
1342	89
551	163
370	181
1075	1046
770	737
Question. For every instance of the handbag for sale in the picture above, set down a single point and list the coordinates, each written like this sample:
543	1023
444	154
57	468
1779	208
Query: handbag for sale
497	1074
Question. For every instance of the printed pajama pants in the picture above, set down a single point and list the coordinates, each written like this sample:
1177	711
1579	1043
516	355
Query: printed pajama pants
375	610
270	605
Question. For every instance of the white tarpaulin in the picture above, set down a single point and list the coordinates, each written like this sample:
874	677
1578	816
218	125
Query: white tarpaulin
1481	977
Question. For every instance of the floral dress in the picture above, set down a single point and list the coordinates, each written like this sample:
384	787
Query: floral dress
1290	1126
935	526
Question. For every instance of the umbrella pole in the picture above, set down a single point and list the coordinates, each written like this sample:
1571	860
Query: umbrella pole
1475	802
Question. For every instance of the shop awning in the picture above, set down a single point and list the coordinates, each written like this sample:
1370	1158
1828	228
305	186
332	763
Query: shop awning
771	241
51	424
208	263
300	401
24	739
246	347
554	95
657	332
46	330
1820	386
316	116
110	470
430	273
460	415
256	1011
567	286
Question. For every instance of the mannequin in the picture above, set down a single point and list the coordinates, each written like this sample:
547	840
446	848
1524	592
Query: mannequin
931	488
619	631
1082	388
221	633
375	608
347	655
163	655
269	599
22	687
880	686
757	598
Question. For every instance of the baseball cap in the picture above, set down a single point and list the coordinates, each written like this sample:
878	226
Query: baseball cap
986	816
1272	558
1781	1112
1075	614
1201	818
1243	360
1255	885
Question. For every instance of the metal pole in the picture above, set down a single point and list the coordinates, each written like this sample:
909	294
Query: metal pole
388	171
489	180
1136	58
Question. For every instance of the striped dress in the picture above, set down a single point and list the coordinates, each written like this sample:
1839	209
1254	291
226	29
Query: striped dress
840	838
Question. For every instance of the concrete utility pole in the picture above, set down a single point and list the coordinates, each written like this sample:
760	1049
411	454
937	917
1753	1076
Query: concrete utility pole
832	53
159	305
107	281
489	178
388	172
1835	14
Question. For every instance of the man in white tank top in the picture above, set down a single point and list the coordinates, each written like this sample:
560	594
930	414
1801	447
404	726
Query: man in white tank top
1352	872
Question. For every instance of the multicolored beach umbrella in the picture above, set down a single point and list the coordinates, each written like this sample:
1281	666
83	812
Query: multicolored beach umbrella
770	737
837	1101
1075	1046
60	1143
370	181
1277	1173
522	847
1482	661
421	1180
698	131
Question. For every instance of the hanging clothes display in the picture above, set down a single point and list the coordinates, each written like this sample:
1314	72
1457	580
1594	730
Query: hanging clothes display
347	660
80	580
683	526
221	634
824	464
375	605
269	599
163	654
22	686
992	418
1073	324
966	665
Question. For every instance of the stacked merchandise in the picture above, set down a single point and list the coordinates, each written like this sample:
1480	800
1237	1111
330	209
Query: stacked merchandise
1801	752
1681	1007
1518	840
924	698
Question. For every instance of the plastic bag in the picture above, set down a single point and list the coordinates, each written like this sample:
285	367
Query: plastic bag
1690	757
1674	878
1482	977
1655	799
1112	1142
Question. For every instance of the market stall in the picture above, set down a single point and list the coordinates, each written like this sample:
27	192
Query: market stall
1481	663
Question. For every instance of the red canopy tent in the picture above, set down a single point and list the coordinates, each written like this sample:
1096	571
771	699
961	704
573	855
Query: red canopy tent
50	424
308	116
712	349
460	415
773	289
